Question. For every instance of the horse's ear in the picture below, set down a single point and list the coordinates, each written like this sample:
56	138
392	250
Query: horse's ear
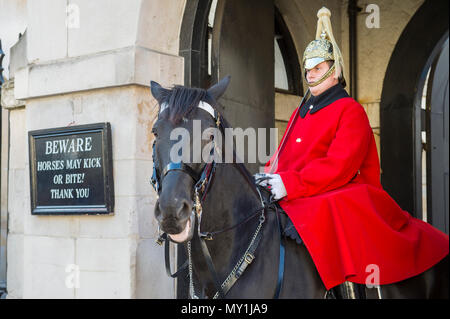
157	90
217	90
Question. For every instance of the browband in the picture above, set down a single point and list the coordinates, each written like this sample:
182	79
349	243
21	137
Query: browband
203	105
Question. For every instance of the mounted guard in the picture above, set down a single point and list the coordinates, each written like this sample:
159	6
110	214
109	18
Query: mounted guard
326	175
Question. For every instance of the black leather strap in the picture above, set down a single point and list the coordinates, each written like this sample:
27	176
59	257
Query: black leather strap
180	167
212	269
248	259
167	259
282	256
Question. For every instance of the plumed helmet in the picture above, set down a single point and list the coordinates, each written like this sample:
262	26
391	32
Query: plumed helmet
324	48
317	52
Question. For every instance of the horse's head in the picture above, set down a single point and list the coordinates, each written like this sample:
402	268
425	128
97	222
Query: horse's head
184	113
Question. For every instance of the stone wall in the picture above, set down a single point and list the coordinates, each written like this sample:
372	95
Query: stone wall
98	71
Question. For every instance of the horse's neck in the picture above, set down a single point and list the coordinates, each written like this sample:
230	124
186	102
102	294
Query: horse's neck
230	198
229	201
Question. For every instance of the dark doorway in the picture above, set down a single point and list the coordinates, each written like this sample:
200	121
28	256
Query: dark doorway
243	47
400	118
437	139
236	38
239	42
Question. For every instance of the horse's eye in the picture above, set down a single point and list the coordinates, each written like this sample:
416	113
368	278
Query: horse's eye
154	132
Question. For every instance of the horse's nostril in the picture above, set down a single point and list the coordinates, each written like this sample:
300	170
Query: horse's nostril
157	211
175	208
184	210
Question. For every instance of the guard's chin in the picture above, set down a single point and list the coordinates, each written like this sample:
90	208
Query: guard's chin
186	234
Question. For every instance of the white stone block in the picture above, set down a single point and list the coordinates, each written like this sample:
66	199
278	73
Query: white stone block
46	260
89	107
165	17
21	83
47	281
120	225
104	255
57	251
130	65
8	99
148	225
46	30
152	280
16	201
15	265
104	285
147	64
51	225
166	69
144	169
172	70
86	73
147	116
132	177
48	113
124	178
103	25
121	112
18	134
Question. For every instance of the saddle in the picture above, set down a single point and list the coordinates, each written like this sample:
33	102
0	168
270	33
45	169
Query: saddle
288	228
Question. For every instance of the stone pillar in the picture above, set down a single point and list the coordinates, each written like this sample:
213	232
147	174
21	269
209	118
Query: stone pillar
88	62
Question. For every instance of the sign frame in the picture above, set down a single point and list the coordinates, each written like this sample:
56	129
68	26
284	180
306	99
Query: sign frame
107	207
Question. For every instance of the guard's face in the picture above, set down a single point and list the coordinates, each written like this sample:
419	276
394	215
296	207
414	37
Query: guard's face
314	74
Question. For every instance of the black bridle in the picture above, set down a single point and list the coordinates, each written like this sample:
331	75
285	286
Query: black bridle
202	180
202	184
206	173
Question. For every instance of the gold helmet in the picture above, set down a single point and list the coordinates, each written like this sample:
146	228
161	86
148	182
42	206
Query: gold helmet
324	48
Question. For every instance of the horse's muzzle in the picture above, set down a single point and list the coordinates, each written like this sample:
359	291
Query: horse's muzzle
173	215
187	233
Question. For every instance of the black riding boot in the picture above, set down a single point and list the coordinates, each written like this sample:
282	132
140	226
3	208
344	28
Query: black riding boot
347	290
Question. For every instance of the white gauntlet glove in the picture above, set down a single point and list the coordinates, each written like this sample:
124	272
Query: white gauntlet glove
273	182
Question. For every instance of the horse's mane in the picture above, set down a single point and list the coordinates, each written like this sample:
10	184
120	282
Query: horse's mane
181	100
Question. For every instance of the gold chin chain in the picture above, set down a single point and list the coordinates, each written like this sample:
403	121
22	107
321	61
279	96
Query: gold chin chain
323	78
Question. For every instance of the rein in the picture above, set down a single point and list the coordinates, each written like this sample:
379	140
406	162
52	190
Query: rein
201	188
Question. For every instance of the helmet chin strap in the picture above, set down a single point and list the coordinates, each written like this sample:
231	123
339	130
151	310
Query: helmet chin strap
323	78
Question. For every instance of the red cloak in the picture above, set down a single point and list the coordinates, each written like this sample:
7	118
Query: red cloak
352	228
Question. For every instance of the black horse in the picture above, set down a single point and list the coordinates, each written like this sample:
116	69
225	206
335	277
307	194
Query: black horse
215	210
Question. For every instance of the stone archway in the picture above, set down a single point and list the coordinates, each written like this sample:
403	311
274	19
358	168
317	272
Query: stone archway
398	123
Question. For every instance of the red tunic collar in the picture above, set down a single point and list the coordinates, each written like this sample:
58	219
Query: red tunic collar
316	103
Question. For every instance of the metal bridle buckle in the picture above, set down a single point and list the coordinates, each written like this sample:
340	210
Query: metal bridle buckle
207	236
249	258
161	238
262	218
